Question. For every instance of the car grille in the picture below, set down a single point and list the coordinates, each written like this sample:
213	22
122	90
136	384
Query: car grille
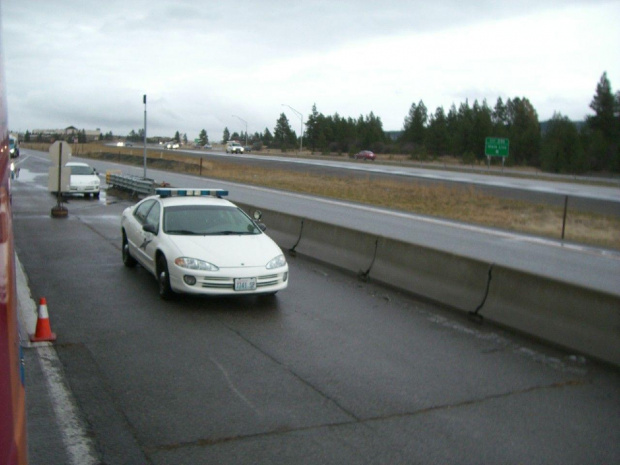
210	282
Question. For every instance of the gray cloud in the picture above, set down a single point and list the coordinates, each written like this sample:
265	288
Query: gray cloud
87	63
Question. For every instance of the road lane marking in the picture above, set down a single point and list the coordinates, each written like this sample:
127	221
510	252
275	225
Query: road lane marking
77	444
79	447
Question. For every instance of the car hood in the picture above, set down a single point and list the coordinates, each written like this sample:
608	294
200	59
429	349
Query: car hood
227	251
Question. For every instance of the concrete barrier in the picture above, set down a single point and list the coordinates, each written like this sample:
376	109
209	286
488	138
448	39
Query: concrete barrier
345	248
439	276
575	318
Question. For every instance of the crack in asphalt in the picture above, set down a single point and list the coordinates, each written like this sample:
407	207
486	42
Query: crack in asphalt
281	431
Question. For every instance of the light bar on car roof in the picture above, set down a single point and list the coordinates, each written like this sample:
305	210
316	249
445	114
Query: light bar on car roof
167	192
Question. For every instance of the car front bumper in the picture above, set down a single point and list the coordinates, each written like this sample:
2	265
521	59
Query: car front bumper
223	281
83	189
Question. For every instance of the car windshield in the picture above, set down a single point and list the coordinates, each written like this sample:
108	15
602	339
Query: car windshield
81	170
206	220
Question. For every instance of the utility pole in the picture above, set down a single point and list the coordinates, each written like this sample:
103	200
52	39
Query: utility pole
144	100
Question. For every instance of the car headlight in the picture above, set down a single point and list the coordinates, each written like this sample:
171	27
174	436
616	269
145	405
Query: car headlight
277	262
195	264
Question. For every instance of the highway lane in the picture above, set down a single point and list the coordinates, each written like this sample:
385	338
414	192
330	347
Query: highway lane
595	268
332	370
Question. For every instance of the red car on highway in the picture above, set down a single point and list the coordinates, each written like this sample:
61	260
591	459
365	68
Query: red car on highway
365	155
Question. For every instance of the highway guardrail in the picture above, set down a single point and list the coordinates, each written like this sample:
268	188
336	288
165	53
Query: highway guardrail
135	184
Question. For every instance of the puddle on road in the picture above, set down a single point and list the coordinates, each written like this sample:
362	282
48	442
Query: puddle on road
25	175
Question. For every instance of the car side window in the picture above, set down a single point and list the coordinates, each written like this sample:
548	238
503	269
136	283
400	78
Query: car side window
152	217
143	210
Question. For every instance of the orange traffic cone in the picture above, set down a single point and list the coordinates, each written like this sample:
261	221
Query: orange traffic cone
43	331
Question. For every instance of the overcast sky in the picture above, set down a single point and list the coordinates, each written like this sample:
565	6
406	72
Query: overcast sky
87	63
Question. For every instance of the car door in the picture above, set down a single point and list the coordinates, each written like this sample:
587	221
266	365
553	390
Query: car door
148	239
133	228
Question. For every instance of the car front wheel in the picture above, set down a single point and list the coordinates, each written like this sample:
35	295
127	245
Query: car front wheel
163	279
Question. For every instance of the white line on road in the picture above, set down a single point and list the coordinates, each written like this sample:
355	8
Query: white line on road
78	445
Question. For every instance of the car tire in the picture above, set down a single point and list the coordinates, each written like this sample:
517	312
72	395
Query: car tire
163	279
128	260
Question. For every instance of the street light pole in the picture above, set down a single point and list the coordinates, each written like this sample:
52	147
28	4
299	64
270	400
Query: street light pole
301	117
246	128
144	100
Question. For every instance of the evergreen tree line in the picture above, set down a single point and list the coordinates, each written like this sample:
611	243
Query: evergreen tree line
557	145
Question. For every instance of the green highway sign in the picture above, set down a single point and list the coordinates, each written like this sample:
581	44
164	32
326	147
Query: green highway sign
496	147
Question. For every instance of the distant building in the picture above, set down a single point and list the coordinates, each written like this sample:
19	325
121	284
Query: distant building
67	133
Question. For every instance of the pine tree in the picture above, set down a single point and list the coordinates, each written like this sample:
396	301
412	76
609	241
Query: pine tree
523	132
283	136
267	137
437	133
603	105
312	129
604	127
414	127
562	151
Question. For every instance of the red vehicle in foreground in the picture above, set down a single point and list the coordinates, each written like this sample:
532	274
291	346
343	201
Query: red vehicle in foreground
365	155
13	450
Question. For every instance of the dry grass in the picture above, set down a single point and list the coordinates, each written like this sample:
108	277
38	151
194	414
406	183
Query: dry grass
456	203
466	204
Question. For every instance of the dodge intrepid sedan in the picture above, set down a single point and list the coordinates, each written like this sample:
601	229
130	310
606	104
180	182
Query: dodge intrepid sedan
194	241
84	180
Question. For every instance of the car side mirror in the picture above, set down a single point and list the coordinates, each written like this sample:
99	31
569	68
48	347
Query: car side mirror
150	228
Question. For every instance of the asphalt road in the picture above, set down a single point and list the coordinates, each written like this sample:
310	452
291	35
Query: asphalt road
332	370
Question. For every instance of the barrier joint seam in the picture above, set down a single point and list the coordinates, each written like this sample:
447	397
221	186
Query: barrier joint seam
292	252
476	313
363	275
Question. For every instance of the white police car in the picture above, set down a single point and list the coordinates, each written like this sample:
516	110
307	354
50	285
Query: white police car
194	241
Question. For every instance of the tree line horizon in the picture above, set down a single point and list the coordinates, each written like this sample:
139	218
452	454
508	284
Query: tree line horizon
557	145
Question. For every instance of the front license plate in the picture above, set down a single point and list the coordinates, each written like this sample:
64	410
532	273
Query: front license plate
245	284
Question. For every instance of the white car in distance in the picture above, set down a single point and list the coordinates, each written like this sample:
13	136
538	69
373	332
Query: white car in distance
234	147
194	241
84	180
